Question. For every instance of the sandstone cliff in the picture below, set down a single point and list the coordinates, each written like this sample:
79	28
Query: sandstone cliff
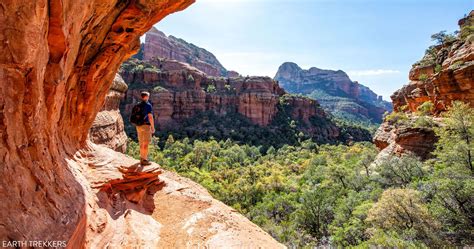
158	45
396	138
443	75
334	90
180	92
57	64
108	127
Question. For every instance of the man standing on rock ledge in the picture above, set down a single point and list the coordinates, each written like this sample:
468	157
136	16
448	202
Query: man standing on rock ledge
142	117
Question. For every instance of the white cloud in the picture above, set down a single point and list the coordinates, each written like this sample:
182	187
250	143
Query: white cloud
372	72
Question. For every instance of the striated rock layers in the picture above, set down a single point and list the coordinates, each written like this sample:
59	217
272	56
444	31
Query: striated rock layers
158	45
445	74
108	127
402	138
57	64
180	91
334	90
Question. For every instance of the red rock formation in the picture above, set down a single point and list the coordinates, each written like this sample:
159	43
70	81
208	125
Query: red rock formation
57	63
184	91
181	91
398	139
338	93
304	109
232	74
442	76
158	45
108	127
445	74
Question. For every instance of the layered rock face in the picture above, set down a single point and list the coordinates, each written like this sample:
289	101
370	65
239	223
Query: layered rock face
398	139
334	90
158	45
108	127
57	64
176	66
445	74
180	91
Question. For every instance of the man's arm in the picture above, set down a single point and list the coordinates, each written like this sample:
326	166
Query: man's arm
152	122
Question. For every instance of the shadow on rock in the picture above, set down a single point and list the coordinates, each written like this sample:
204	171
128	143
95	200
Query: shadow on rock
135	190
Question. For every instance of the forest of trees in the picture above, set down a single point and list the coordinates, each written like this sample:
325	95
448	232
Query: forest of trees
306	194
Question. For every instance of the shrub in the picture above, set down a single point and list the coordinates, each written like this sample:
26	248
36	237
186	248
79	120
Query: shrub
151	70
443	37
438	68
396	118
404	212
456	65
425	108
423	77
211	88
190	78
424	122
403	108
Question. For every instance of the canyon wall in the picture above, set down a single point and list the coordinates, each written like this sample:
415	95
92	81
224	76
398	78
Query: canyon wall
334	90
57	64
443	75
158	45
180	92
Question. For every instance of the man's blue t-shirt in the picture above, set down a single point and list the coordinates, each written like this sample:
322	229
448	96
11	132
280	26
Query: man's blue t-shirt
148	108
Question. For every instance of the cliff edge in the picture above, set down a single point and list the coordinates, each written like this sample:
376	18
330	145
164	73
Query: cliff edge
445	74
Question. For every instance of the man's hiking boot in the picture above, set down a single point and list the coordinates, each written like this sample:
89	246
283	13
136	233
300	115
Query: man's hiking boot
144	162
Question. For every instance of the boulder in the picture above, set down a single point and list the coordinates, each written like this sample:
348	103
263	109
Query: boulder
108	126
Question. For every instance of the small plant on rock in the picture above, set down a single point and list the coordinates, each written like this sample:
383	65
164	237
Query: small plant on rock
396	118
423	77
426	108
211	88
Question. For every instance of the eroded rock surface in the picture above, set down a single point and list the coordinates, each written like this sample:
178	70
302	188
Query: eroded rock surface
398	139
334	90
108	127
134	207
180	91
57	64
158	45
443	75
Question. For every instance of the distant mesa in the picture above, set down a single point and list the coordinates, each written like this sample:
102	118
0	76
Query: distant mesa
181	94
190	90
335	91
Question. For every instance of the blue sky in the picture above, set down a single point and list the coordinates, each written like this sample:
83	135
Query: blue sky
374	41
